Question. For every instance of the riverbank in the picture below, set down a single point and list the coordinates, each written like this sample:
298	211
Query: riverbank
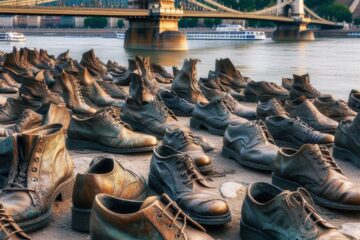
111	32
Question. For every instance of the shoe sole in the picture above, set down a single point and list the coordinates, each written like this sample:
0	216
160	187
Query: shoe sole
82	145
62	193
140	128
199	124
293	186
204	220
229	153
80	217
346	155
250	233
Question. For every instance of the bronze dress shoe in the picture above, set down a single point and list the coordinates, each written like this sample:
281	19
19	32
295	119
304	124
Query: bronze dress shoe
337	110
347	143
6	88
184	141
113	90
292	132
231	77
160	70
13	108
302	87
41	173
175	173
104	131
313	168
270	107
180	107
157	218
256	90
307	112
9	230
251	145
354	100
270	213
105	175
95	66
215	117
149	117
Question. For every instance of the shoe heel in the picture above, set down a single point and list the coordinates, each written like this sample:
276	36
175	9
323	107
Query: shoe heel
196	124
249	233
66	191
80	219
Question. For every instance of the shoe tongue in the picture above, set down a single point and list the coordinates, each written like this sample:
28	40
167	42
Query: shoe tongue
149	201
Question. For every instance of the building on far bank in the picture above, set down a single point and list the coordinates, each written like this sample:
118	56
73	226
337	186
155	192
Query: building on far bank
50	21
6	21
27	21
79	22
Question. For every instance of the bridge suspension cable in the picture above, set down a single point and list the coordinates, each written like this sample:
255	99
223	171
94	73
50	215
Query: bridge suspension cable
273	9
226	9
314	15
202	5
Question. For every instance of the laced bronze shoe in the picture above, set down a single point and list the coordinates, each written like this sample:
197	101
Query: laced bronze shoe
149	117
185	83
337	110
287	83
175	173
265	207
72	95
24	60
69	67
45	57
113	90
9	230
313	168
104	176
63	57
92	91
230	76
184	141
41	173
179	106
95	66
11	82
160	70
6	88
256	90
104	131
34	58
35	89
144	70
14	67
270	107
139	91
13	108
155	218
303	87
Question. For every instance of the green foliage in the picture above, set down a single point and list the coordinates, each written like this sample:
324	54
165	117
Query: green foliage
96	22
211	22
120	23
357	21
330	9
188	22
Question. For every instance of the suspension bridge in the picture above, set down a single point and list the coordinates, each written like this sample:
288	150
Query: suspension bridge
154	23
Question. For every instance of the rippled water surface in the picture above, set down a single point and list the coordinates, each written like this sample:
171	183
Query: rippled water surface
334	64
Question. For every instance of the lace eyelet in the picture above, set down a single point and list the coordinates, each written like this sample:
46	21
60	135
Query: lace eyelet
170	226
159	216
178	236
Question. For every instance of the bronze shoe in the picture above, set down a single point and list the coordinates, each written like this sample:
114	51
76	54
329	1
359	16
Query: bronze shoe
175	173
337	110
254	91
95	66
105	175
92	91
160	70
354	100
287	83
13	108
72	95
230	76
63	57
34	58
270	107
14	67
10	81
139	91
185	83
104	131
143	68
303	87
313	168
6	88
9	229
155	218
6	158
113	90
184	141
265	207
41	173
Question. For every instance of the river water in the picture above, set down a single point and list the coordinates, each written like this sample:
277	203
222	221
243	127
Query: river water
333	64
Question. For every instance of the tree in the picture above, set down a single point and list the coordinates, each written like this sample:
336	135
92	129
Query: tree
211	22
357	21
336	12
188	22
96	22
120	23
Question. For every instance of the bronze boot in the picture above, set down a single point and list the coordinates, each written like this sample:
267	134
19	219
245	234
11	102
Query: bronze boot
186	85
57	114
12	109
138	89
303	87
104	131
6	88
72	95
108	176
11	81
144	70
113	90
157	218
14	67
35	89
9	230
230	76
41	173
92	91
6	156
95	66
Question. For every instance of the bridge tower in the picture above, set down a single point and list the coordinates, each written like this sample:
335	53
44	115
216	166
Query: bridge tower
159	31
296	31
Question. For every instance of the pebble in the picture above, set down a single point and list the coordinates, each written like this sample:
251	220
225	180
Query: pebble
351	229
231	189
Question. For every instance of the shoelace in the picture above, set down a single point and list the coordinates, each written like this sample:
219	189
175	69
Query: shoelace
47	90
278	107
265	132
303	125
325	155
189	137
162	109
311	87
6	223
301	198
19	124
190	171
180	215
78	89
115	115
230	102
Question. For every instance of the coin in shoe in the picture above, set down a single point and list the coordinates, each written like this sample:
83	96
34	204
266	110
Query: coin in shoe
255	90
104	131
337	110
303	87
41	173
175	173
155	218
354	100
270	107
293	132
347	144
184	141
265	207
214	117
251	145
105	175
313	168
307	112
